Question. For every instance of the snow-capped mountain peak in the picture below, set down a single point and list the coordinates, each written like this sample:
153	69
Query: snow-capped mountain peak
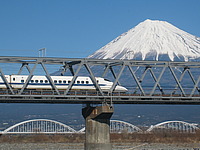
152	39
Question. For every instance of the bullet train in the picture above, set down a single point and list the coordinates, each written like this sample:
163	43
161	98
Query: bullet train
61	82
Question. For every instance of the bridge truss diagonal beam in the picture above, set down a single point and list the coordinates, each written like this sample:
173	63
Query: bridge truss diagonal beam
93	79
136	80
28	79
105	71
50	79
24	65
195	86
6	82
73	79
180	79
144	73
157	81
193	80
67	66
177	81
117	79
114	75
108	67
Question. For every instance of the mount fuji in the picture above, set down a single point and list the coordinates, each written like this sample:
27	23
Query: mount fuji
152	40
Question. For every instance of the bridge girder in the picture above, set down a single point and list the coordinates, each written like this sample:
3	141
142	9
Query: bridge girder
157	92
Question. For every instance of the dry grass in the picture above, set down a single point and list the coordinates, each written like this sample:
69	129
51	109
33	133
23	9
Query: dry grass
43	138
170	137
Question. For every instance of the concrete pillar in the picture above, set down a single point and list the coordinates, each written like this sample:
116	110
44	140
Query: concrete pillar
97	127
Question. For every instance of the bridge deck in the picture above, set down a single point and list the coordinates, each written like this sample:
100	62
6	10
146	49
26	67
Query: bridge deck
96	98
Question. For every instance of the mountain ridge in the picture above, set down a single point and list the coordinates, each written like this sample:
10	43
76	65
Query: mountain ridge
152	40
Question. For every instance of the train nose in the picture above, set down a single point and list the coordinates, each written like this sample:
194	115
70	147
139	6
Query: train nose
121	88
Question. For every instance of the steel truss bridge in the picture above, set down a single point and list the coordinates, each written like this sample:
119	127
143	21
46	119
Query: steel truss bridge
45	126
149	82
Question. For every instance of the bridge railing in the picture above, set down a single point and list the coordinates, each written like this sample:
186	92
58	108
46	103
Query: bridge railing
90	93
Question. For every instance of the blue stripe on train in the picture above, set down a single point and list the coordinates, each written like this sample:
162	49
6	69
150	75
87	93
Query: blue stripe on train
47	84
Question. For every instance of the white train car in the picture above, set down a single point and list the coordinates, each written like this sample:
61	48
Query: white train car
61	82
2	84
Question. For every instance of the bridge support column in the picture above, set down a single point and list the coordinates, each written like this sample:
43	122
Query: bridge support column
97	127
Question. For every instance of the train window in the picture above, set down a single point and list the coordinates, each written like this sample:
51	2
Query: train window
82	82
32	81
64	81
13	79
55	81
36	81
41	81
78	82
60	81
22	81
87	82
46	81
69	81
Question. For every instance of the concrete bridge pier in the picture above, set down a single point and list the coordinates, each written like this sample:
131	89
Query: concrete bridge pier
97	127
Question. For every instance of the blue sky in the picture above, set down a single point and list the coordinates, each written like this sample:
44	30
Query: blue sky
77	28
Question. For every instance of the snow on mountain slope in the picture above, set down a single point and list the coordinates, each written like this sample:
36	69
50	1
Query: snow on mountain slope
153	40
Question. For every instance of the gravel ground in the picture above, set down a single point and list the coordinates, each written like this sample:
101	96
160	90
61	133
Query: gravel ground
41	146
80	146
158	146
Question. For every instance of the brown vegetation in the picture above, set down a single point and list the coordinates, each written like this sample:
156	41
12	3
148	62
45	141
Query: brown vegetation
43	138
170	137
159	137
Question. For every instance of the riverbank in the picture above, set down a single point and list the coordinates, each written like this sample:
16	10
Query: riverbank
116	146
123	141
167	137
